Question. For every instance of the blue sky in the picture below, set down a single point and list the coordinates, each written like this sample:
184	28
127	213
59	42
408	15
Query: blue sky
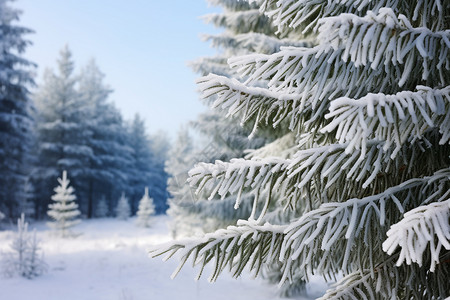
142	46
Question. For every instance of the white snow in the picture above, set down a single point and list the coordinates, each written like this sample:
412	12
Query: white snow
109	261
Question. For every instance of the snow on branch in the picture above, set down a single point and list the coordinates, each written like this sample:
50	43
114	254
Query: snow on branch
239	174
384	37
394	119
311	174
387	282
336	225
252	245
250	103
319	74
235	247
424	226
306	14
366	285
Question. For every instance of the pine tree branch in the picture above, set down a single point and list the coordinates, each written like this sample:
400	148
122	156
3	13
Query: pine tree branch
253	102
386	38
394	119
319	174
390	282
252	245
332	231
301	84
223	178
365	285
419	228
306	14
321	74
235	247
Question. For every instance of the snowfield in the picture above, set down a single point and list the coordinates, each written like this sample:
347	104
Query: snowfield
109	260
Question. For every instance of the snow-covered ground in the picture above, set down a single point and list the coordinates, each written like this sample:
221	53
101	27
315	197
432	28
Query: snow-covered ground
109	261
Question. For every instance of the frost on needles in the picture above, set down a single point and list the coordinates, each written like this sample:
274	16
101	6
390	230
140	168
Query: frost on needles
369	173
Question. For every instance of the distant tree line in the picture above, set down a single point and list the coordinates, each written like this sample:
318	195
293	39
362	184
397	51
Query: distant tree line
68	124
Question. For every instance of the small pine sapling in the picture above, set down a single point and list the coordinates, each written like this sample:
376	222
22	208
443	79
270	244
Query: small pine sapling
64	211
102	208
123	211
35	264
24	260
145	211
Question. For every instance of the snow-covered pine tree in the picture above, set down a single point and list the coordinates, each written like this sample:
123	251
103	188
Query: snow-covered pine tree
146	170
102	209
62	129
95	93
64	211
36	265
369	106
180	161
159	146
14	263
108	168
123	211
25	259
16	123
145	210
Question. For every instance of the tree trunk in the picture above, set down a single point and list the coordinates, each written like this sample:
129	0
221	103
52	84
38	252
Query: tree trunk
90	200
